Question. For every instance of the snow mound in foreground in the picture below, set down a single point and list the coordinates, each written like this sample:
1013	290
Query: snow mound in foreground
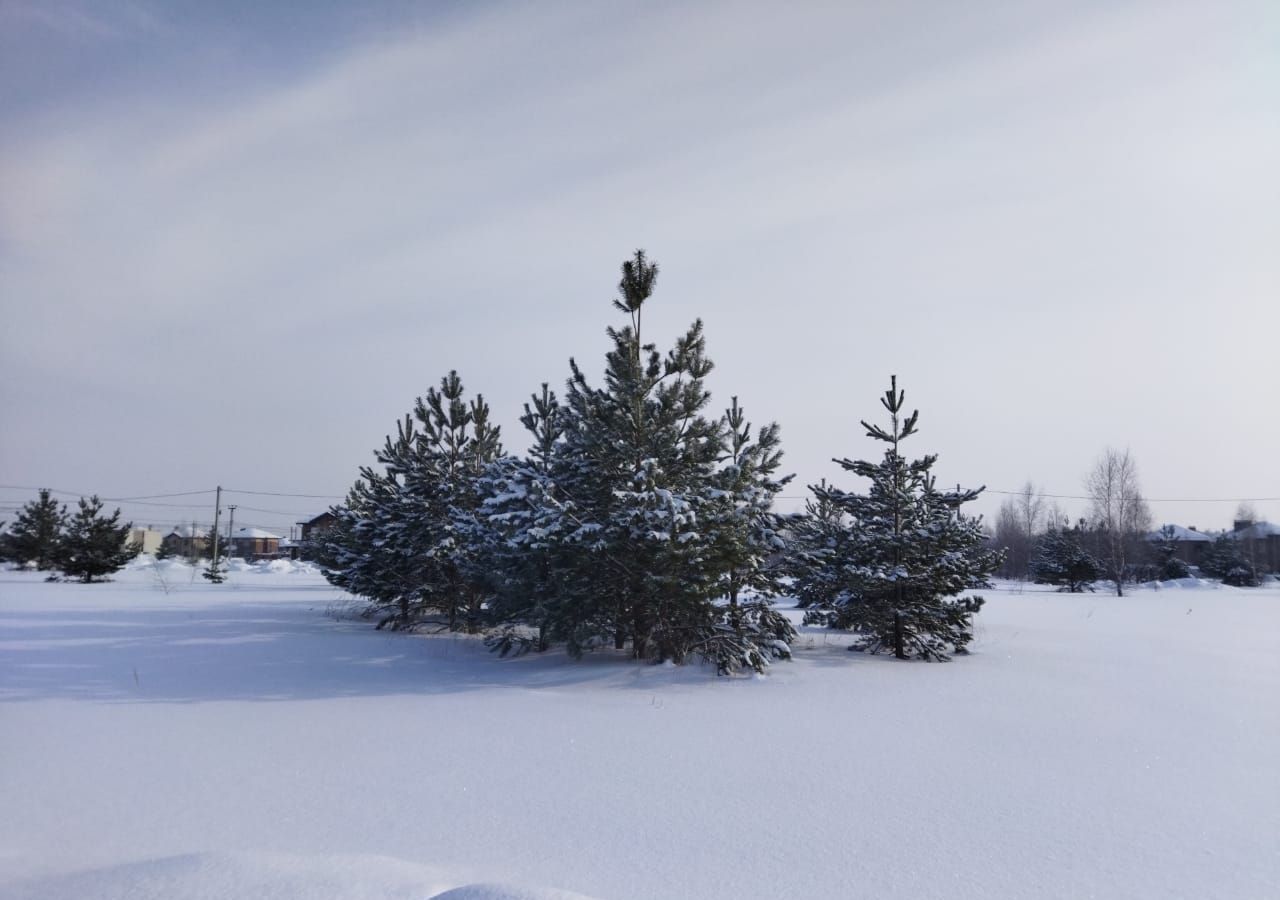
505	892
240	876
282	567
145	561
272	876
1189	583
274	567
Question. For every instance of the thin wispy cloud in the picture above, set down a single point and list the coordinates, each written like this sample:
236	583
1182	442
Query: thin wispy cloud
79	21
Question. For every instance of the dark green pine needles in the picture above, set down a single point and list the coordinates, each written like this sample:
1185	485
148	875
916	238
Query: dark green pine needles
893	565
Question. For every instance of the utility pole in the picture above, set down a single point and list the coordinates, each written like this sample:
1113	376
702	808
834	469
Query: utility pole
231	524
217	512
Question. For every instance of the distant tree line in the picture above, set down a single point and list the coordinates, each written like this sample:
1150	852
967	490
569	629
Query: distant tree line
1113	542
640	521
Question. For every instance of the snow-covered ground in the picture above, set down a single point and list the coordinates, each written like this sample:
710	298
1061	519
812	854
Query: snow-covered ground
162	737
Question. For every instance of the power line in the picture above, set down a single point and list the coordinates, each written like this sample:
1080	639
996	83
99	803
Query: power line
141	500
152	503
23	487
281	494
274	512
160	496
149	499
1148	499
1081	497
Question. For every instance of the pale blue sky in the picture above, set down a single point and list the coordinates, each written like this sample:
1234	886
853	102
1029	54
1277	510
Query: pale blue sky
237	240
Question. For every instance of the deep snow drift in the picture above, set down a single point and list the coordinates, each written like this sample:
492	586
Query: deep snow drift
163	737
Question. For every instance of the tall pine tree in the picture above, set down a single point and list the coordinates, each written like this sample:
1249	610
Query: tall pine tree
906	550
637	454
521	528
95	545
36	533
745	545
397	541
813	537
638	521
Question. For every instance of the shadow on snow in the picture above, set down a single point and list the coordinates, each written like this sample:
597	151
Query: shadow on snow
291	649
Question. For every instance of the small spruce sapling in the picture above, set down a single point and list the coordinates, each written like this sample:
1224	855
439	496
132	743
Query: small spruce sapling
1061	559
905	552
1165	549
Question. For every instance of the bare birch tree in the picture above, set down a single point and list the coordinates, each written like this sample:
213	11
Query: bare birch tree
1031	506
1118	510
1017	524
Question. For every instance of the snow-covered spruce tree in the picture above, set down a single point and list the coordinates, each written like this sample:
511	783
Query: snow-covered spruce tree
1062	559
355	555
615	508
396	541
814	536
94	545
215	569
746	546
1165	551
907	549
637	455
36	533
1226	561
519	531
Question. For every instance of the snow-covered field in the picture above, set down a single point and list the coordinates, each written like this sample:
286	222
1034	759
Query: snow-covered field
161	737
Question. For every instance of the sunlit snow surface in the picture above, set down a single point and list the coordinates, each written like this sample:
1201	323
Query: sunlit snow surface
163	737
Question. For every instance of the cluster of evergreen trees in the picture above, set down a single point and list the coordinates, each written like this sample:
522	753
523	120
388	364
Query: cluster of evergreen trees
88	545
639	521
1226	560
1063	557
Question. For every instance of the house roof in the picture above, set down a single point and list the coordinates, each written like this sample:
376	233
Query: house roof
1257	530
248	532
185	531
1179	534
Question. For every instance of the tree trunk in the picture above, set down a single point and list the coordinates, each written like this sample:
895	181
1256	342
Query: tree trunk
898	638
639	635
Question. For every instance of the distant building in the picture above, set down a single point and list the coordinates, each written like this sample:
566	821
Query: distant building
186	540
1260	544
311	529
148	540
322	522
1190	545
254	544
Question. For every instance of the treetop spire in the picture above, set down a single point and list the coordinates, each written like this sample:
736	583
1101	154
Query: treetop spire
638	279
